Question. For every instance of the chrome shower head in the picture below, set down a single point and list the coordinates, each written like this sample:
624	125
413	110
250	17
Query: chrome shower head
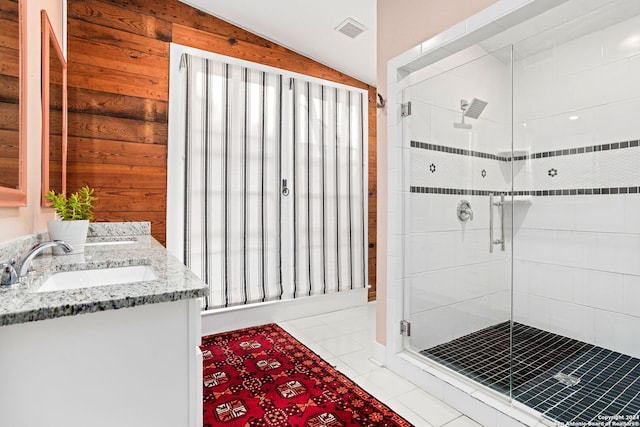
474	109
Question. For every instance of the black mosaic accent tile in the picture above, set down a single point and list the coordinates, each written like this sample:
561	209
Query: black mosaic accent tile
458	151
601	384
538	193
456	191
582	150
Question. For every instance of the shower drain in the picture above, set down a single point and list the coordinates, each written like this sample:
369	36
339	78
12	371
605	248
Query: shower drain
566	379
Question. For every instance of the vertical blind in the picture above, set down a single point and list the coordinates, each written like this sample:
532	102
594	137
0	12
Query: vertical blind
274	185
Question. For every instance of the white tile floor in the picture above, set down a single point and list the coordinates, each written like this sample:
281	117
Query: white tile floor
344	339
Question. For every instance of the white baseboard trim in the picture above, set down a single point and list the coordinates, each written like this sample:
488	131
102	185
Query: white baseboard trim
378	353
228	319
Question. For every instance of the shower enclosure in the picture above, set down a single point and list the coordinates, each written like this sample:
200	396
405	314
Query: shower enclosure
521	238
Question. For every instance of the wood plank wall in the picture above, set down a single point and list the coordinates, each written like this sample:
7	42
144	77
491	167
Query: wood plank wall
118	92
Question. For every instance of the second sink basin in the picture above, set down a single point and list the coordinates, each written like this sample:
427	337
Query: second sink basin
97	277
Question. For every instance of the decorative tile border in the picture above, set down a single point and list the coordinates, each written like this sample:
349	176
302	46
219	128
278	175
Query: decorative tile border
541	155
459	151
579	191
581	150
551	171
564	192
455	191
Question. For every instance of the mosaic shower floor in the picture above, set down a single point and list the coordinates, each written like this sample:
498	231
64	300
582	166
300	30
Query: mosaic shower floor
568	380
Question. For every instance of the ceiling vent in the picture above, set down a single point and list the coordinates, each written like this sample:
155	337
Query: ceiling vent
350	27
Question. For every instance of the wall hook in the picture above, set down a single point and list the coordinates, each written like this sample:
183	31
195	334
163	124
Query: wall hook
381	102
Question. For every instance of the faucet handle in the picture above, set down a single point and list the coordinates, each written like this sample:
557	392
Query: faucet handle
464	211
8	274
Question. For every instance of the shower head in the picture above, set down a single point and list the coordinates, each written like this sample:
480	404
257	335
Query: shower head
474	109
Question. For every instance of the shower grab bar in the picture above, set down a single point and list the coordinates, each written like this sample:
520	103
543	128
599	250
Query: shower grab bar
499	204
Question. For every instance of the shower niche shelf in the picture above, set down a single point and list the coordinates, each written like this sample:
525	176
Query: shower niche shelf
520	171
518	200
506	152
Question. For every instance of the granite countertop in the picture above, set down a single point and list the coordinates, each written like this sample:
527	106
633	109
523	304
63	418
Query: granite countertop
21	303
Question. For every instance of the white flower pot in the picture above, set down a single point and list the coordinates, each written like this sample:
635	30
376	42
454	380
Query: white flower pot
72	232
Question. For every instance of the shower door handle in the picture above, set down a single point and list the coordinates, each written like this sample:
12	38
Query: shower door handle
499	204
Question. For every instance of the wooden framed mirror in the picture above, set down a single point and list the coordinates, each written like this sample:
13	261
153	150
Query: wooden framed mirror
13	138
54	112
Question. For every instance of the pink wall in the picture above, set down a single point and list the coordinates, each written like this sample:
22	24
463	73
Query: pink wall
401	26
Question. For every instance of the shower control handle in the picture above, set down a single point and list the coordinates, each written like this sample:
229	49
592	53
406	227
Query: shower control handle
465	213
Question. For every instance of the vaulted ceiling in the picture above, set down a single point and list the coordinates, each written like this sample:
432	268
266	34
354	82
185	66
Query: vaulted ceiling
309	28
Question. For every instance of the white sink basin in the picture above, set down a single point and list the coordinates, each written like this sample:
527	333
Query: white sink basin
97	277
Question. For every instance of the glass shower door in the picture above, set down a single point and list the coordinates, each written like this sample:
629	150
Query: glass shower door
457	156
576	347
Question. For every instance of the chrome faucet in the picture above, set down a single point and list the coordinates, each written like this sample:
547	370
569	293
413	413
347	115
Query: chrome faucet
8	274
34	251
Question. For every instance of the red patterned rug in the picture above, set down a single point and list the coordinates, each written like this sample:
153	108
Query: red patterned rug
264	377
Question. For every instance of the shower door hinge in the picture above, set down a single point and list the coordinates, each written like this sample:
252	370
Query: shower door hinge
405	109
405	328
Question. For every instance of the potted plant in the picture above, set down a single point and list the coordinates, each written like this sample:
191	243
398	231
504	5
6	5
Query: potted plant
74	213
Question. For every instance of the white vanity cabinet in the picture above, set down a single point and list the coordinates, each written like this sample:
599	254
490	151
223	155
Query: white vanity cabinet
102	355
136	366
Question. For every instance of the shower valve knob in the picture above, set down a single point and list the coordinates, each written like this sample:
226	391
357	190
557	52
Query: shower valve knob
464	211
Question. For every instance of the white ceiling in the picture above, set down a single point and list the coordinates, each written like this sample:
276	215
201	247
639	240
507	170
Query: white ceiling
308	27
